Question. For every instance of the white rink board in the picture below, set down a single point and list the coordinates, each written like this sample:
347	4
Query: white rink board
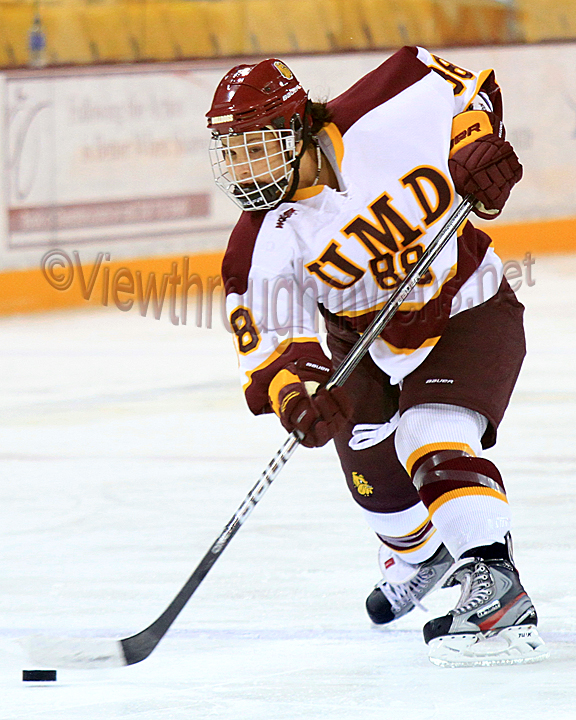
115	160
125	446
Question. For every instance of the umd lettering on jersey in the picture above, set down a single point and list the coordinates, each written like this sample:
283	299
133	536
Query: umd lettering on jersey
390	238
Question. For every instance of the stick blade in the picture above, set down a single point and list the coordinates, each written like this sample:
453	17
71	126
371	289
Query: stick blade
75	653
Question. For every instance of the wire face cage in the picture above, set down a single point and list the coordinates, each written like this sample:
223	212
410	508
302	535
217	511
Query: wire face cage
254	168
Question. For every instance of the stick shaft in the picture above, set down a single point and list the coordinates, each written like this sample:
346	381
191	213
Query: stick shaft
138	647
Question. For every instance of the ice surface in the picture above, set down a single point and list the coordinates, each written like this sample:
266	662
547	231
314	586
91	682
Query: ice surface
125	447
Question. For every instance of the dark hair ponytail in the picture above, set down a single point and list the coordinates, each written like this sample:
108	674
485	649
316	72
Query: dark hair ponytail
320	114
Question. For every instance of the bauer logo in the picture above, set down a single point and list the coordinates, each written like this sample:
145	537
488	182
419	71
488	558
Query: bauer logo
475	128
489	609
291	92
315	366
440	381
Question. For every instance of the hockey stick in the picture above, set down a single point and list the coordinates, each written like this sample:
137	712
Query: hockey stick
97	653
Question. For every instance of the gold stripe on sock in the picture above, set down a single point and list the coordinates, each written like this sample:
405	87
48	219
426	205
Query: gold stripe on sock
432	447
465	492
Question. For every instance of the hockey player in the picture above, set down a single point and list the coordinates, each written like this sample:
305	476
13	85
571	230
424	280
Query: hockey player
340	200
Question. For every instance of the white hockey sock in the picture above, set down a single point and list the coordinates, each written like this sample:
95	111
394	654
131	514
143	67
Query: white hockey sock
470	521
440	446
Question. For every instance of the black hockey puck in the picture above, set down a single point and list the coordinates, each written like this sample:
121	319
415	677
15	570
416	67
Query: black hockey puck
39	675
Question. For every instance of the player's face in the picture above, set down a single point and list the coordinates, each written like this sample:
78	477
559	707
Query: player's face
256	157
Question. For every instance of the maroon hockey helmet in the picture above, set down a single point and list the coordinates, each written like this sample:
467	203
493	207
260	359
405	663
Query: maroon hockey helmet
264	109
251	97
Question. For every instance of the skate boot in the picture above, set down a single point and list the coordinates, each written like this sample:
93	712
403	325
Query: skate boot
493	623
404	585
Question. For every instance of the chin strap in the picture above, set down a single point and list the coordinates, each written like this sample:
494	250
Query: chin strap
318	160
296	165
307	138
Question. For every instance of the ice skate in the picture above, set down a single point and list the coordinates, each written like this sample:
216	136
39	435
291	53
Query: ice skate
493	623
404	585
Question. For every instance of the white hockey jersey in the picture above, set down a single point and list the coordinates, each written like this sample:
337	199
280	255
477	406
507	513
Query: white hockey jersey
346	250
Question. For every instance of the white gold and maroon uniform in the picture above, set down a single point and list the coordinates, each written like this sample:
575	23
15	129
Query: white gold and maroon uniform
456	344
430	394
347	249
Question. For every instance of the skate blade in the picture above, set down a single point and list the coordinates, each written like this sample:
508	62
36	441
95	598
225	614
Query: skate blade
510	646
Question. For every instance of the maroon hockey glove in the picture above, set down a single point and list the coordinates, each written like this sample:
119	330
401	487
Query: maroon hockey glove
487	168
318	417
318	414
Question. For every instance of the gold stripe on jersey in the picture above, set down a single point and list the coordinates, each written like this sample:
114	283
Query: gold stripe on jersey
305	193
429	342
282	347
337	142
434	447
484	75
466	492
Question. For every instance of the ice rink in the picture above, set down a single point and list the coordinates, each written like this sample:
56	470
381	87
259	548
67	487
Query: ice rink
126	447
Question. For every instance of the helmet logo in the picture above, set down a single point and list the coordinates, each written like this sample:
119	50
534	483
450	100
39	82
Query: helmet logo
283	70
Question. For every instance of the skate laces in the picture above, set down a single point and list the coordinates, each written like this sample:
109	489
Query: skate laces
401	594
477	586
